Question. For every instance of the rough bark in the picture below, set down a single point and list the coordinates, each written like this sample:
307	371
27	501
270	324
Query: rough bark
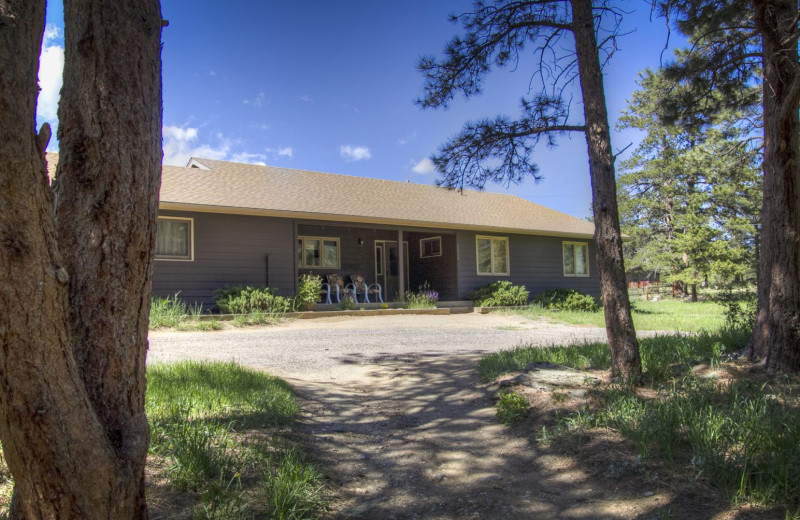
72	398
777	332
625	361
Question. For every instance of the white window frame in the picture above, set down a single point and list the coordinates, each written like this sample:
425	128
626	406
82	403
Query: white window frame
432	240
491	250
168	258
568	243
301	261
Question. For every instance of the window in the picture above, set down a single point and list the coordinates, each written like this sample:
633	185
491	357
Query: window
174	239
492	255
429	247
318	252
576	258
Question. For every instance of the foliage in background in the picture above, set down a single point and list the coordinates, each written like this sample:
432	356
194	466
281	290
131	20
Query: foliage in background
499	294
689	195
567	300
215	430
308	291
245	300
425	298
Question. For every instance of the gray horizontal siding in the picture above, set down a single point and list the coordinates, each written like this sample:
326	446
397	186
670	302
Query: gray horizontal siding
229	250
535	262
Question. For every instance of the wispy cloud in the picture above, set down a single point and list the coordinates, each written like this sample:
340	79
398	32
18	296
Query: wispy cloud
286	151
249	158
354	153
404	140
306	98
424	167
257	102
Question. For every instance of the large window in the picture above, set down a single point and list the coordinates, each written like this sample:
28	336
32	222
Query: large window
429	247
576	258
492	255
318	252
174	239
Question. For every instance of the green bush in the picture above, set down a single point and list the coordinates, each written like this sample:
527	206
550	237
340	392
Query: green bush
500	294
308	291
567	300
512	408
246	300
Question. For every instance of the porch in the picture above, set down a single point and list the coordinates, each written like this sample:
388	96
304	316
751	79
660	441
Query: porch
399	260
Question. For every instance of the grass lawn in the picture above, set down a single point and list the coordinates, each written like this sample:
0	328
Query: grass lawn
220	448
672	315
698	418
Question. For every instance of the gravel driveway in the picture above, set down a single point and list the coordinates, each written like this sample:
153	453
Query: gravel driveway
333	348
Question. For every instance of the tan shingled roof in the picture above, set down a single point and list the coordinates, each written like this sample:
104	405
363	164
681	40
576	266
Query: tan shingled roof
262	190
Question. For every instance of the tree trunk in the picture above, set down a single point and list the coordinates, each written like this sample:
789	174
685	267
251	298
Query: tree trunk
625	361
75	295
777	331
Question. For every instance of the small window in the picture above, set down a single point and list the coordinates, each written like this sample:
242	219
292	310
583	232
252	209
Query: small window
318	252
174	239
576	258
430	247
492	255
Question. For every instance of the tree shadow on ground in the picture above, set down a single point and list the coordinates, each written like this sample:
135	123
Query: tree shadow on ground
415	436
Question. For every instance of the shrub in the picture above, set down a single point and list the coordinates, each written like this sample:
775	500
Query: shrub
426	298
500	294
347	303
246	300
167	312
567	300
512	408
308	291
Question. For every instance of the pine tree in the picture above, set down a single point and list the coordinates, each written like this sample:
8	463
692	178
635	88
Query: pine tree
496	34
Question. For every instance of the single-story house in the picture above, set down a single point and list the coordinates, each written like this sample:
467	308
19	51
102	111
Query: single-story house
222	223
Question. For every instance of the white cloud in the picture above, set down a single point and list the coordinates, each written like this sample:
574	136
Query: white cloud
249	158
286	152
257	102
180	145
424	167
306	98
403	140
51	72
354	153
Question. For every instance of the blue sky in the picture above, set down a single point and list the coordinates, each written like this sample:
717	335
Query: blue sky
330	86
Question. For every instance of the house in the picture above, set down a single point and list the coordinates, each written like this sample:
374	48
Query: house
222	223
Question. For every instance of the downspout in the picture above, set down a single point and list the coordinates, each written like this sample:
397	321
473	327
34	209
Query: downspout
401	278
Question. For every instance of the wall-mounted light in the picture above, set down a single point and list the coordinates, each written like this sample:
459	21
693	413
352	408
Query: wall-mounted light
360	242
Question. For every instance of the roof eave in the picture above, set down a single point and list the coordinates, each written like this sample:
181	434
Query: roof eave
358	219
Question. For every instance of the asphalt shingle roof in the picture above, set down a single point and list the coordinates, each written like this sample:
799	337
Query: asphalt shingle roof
251	189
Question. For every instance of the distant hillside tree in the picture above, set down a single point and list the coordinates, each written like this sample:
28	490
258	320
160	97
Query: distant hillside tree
735	43
76	260
500	149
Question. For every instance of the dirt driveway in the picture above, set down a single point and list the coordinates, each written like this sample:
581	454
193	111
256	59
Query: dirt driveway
395	413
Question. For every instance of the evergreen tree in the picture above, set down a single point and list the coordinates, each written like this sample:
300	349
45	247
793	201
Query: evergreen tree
688	195
737	43
501	149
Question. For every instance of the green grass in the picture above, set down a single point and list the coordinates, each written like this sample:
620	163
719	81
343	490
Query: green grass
255	319
173	313
740	435
218	429
512	408
647	315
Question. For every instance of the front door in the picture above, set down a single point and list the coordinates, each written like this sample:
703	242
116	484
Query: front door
386	267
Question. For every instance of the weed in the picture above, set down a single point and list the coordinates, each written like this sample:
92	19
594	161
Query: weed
308	291
347	303
294	487
567	300
256	319
512	408
244	300
425	298
167	312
